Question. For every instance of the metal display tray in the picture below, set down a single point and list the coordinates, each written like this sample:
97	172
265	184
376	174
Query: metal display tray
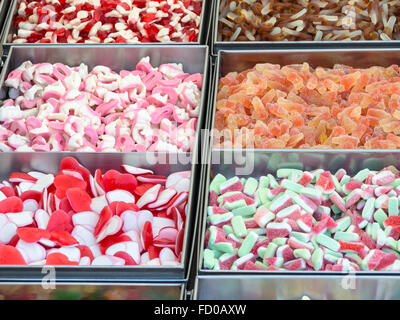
240	60
91	291
160	163
293	285
255	45
195	59
9	28
242	284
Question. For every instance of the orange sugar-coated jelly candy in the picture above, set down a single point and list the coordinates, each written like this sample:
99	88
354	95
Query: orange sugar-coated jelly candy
339	108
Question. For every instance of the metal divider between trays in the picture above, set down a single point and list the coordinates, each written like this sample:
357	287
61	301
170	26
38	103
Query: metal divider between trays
203	163
293	285
204	26
163	277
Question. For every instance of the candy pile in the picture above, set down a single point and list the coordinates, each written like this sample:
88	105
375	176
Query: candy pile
107	21
296	106
61	108
305	221
308	20
75	218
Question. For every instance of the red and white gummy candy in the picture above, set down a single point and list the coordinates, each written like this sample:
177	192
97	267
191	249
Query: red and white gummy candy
53	107
76	218
107	21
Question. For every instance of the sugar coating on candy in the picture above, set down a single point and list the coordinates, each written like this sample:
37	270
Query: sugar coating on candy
65	230
298	106
318	20
300	223
106	21
54	107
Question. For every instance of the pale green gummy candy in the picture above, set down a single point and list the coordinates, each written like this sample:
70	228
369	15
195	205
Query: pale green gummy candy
302	253
391	243
216	265
279	241
345	179
218	218
342	224
380	200
247	244
374	231
368	209
362	175
324	209
239	228
227	228
380	216
270	250
301	236
335	209
235	205
393	206
395	183
243	181
261	252
368	229
209	259
338	186
293	186
331	258
245	211
317	258
272	181
346	236
250	186
226	247
263	195
311	192
314	242
328	242
266	205
302	204
381	237
264	182
354	256
286	172
334	253
216	183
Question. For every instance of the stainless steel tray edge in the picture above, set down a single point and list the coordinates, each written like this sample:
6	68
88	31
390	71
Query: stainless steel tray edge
9	29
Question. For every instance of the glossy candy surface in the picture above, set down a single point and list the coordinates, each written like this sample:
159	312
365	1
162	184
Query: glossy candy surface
297	220
298	106
308	20
54	107
103	220
107	21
